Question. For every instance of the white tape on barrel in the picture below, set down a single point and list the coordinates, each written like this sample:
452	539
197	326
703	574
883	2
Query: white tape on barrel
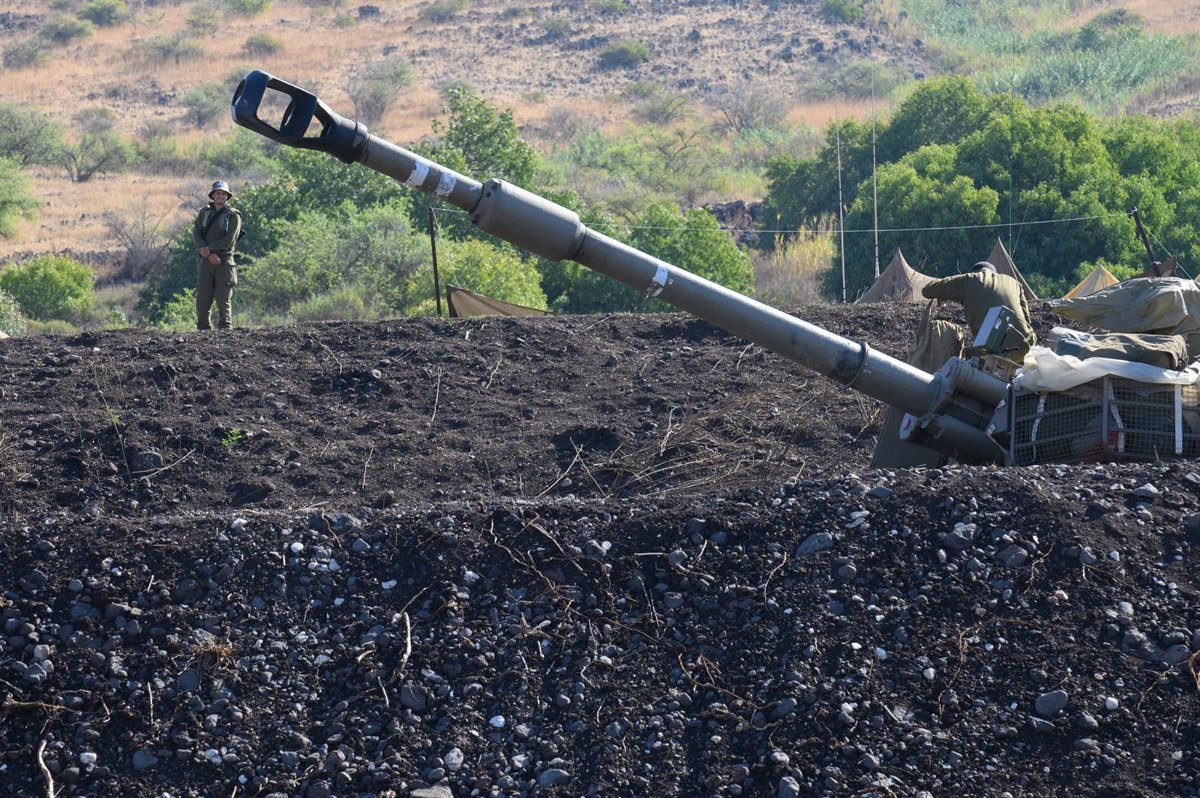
445	185
660	281
419	173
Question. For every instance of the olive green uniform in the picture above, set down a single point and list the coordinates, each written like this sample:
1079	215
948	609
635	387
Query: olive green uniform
980	291
216	282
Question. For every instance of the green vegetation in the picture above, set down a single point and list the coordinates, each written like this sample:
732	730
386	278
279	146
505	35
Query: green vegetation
104	13
29	137
958	168
443	10
842	10
178	48
376	87
28	53
232	438
261	44
1020	46
624	54
99	148
205	102
12	322
63	30
16	202
247	8
49	287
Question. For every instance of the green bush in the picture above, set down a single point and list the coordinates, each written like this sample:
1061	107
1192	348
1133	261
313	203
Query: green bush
62	30
346	303
261	44
624	54
52	327
15	200
842	10
612	7
557	26
11	320
375	88
247	8
179	312
50	287
205	102
179	47
104	12
443	10
479	266
27	53
29	137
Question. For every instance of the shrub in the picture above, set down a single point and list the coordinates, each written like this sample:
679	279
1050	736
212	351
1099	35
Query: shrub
29	137
104	12
179	312
247	8
262	44
99	150
443	10
347	303
612	7
205	102
52	327
624	54
557	26
50	287
375	89
479	266
11	320
180	47
842	10
27	53
62	30
15	199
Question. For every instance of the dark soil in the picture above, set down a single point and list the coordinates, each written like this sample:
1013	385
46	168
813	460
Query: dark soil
627	556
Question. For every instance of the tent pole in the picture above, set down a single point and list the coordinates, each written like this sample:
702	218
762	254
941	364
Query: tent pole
437	287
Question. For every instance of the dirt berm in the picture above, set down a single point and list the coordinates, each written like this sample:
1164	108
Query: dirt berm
611	556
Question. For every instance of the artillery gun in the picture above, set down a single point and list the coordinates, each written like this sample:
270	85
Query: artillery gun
961	412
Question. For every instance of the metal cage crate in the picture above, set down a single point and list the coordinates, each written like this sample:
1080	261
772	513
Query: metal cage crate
1108	419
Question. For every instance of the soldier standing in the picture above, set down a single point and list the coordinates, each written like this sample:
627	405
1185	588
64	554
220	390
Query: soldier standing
982	289
215	234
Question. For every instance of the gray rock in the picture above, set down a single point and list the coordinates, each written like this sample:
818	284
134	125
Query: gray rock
819	541
1040	725
143	759
1087	721
961	536
879	492
552	776
1012	556
1173	655
188	681
436	791
454	759
677	558
788	788
414	697
1050	704
360	546
1147	491
1087	556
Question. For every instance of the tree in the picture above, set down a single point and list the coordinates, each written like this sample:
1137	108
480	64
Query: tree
482	267
15	200
693	241
99	149
11	320
29	137
939	111
50	287
375	88
205	102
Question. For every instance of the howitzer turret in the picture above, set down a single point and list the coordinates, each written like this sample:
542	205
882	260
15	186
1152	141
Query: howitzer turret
961	412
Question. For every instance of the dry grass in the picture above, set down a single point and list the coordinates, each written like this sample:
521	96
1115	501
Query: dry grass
792	273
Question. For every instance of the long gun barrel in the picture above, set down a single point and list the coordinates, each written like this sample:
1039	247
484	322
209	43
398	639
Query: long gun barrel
952	407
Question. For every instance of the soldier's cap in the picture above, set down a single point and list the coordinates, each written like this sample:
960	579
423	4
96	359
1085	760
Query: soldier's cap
220	185
983	266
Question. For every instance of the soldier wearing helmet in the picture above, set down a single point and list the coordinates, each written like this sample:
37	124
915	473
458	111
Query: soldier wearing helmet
215	234
982	289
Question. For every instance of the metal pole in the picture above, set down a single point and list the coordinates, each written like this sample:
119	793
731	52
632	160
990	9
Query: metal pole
1141	231
874	177
437	286
841	218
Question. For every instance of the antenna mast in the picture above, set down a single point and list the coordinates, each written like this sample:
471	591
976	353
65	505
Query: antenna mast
837	127
874	179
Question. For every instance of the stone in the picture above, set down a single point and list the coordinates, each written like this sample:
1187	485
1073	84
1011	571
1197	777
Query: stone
788	788
144	759
552	776
188	681
1050	704
1012	556
818	541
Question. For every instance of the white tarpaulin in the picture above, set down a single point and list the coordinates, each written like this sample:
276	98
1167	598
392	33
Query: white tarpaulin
1044	370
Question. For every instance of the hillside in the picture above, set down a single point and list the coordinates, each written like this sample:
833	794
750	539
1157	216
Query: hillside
539	58
618	556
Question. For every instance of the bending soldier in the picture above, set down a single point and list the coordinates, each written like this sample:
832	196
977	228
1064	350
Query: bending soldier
215	234
980	290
